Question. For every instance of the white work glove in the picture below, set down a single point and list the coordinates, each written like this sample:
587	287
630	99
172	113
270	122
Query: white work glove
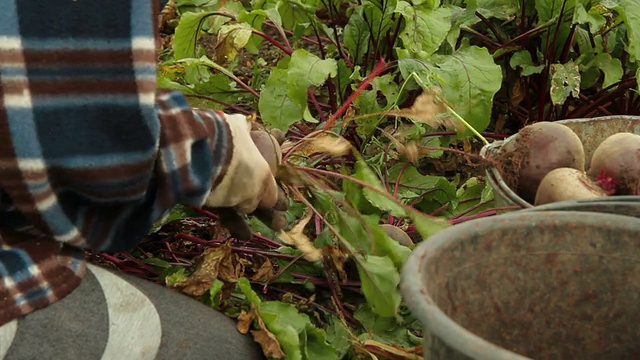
248	184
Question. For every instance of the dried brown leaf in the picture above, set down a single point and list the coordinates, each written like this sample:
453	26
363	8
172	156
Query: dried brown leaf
425	109
266	339
517	92
301	241
330	144
349	115
390	351
409	151
230	269
264	272
338	259
206	271
245	319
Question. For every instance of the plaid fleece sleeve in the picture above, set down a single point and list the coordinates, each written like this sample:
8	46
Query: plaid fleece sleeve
90	153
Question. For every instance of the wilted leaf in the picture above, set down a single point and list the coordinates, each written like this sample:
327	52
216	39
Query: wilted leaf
265	338
269	344
231	38
517	92
297	237
329	144
338	259
244	321
410	151
265	272
565	81
425	109
391	351
206	271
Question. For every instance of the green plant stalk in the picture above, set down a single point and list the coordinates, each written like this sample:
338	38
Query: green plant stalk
229	74
406	207
377	70
465	123
273	42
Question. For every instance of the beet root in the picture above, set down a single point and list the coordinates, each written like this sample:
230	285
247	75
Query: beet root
536	150
566	184
616	164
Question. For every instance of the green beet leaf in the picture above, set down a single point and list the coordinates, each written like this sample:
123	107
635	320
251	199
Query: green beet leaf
294	12
277	109
187	32
499	9
470	80
299	338
610	67
364	173
523	59
630	11
425	29
306	69
356	36
380	280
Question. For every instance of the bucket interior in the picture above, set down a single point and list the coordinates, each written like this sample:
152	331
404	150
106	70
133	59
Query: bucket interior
546	286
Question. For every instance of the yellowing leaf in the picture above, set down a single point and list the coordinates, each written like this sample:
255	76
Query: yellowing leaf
428	108
301	241
331	144
231	38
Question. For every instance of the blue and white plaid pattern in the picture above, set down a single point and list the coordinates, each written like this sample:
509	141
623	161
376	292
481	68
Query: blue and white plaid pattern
90	153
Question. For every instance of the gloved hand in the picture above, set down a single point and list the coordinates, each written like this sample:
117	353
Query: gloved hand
249	185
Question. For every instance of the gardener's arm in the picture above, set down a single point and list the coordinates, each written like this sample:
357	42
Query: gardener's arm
89	153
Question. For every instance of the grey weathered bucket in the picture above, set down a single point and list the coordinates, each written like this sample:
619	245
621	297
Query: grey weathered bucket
590	131
529	284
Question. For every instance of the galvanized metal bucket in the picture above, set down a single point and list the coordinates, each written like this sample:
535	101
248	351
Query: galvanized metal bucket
590	131
530	284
